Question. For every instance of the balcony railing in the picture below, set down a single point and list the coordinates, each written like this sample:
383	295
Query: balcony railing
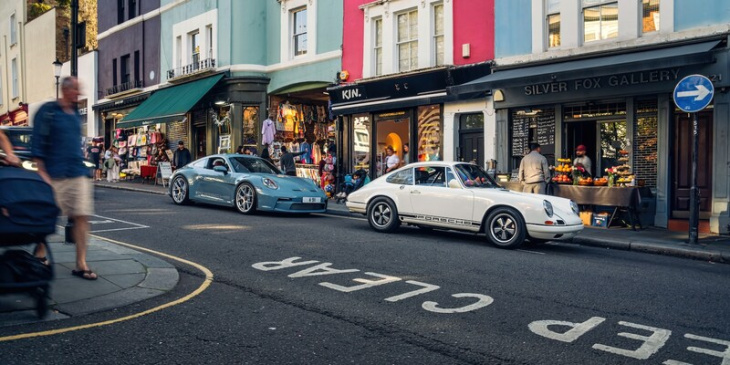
127	86
193	68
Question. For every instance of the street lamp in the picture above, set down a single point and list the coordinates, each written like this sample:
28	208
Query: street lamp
57	72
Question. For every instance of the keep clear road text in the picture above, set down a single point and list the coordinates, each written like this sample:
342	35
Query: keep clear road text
649	344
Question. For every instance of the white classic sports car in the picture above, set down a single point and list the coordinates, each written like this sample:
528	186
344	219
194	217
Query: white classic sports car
461	196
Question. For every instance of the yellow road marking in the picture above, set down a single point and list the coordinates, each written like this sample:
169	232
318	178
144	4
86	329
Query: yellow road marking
206	283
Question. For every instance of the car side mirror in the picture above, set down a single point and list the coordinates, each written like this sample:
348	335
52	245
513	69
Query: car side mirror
222	169
453	184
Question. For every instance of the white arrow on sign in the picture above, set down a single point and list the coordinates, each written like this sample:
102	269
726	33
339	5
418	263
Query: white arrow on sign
700	93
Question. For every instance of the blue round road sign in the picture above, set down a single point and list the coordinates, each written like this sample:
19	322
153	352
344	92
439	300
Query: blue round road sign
693	93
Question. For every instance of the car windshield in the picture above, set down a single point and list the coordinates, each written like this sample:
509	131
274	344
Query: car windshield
253	165
474	177
20	139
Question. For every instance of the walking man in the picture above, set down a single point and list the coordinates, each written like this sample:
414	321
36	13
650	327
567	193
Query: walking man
181	156
534	173
61	165
287	161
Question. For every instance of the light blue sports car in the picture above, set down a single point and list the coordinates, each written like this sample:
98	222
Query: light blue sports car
247	183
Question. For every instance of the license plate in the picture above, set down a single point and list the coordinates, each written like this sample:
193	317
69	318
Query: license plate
311	200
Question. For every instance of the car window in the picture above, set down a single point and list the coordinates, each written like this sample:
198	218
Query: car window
253	165
474	176
217	162
20	139
431	176
403	177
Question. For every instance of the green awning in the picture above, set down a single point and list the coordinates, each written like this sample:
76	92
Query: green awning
169	104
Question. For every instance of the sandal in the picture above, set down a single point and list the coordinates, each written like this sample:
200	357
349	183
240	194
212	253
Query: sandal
84	274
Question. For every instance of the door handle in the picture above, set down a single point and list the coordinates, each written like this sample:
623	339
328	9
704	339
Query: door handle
415	192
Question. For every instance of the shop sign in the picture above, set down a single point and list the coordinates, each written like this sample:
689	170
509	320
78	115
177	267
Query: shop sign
352	93
593	83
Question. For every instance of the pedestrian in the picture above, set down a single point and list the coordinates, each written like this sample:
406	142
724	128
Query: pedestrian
240	150
112	165
181	156
287	161
93	155
392	161
581	160
534	173
265	153
55	150
406	156
161	156
7	147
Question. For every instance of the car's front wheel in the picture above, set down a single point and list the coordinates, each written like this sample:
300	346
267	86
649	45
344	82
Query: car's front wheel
180	191
505	228
245	199
383	215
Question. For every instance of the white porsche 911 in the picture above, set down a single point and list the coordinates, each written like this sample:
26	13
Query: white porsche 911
461	196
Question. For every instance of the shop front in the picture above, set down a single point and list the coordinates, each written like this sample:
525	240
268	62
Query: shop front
403	112
610	129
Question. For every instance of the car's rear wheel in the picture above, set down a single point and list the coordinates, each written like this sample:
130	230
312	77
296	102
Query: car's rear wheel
505	228
383	215
246	199
180	191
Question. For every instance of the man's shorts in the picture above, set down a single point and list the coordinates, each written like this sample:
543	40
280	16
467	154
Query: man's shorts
74	196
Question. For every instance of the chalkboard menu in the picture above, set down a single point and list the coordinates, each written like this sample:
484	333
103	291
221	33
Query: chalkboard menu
546	131
520	134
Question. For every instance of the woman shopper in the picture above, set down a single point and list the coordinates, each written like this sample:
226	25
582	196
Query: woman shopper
112	165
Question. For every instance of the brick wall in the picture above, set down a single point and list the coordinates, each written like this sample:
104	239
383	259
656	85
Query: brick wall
645	143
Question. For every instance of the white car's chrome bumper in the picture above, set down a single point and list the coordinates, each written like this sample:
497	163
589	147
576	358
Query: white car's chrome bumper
562	232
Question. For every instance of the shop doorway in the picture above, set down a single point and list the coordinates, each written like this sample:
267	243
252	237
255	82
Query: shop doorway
682	164
393	129
201	145
471	138
603	140
582	133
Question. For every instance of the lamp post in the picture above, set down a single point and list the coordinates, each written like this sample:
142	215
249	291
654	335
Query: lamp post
57	72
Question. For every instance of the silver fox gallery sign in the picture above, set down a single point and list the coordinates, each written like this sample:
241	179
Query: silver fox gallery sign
593	83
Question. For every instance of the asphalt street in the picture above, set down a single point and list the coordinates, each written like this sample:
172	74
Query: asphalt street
328	290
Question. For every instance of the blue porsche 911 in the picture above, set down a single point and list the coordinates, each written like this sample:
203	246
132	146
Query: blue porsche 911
247	183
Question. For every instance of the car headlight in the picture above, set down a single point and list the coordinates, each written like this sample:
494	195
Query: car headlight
548	208
574	207
271	184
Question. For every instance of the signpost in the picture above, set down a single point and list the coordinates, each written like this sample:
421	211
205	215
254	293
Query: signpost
692	94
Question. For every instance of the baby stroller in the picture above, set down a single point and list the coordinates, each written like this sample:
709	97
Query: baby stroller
351	183
28	214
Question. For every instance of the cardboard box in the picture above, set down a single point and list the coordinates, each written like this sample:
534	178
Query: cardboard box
587	218
600	220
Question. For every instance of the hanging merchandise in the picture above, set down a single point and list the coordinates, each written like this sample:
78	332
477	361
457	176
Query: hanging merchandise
268	131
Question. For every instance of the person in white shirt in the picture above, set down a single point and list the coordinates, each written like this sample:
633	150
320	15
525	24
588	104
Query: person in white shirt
534	173
392	161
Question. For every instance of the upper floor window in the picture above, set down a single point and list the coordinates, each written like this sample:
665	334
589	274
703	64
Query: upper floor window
407	41
121	6
14	65
13	30
650	16
600	20
378	46
126	71
194	47
132	8
299	31
438	34
553	23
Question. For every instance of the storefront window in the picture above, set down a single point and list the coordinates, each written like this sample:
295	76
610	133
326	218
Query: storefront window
645	142
250	117
361	142
613	139
471	121
393	129
429	133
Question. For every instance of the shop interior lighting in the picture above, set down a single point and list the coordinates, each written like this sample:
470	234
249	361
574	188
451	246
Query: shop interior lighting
220	102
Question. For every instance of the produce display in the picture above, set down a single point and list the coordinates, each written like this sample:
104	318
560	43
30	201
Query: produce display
564	172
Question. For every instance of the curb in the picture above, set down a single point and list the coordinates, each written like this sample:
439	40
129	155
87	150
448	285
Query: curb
131	189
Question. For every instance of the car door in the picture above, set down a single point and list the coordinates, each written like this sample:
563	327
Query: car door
433	199
211	181
402	187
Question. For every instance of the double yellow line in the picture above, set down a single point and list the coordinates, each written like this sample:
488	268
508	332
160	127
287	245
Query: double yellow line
206	283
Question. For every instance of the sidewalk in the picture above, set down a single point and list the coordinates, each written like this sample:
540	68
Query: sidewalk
648	240
126	276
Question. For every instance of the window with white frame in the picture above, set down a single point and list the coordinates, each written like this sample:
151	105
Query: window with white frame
195	47
299	31
438	34
600	20
13	30
407	41
552	8
378	46
14	66
209	37
650	16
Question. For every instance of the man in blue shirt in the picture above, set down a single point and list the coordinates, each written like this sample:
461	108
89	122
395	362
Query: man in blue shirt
56	150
